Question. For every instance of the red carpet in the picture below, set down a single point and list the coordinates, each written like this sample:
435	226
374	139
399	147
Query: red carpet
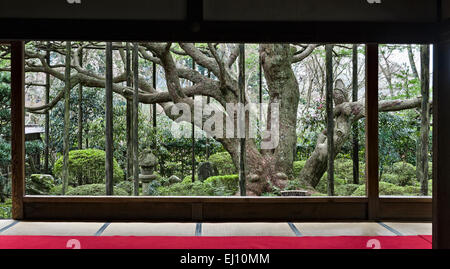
248	242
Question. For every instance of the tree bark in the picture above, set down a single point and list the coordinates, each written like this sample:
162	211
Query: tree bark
330	118
425	118
345	114
283	85
412	63
66	146
355	142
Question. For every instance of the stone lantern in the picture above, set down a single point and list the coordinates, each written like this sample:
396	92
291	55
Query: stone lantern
148	162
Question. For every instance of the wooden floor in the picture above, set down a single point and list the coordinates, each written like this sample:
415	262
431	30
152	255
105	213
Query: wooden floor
11	227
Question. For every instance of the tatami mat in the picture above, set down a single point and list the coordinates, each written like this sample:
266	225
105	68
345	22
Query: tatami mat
247	229
409	228
150	229
343	229
10	227
53	228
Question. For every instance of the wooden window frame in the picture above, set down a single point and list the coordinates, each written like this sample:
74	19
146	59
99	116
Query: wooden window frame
372	207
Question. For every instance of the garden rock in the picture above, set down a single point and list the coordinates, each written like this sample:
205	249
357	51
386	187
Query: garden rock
206	170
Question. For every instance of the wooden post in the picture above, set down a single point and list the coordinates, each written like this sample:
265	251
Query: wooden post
129	115
47	113
372	130
154	80
208	100
242	181
193	134
17	128
109	120
355	127
135	118
441	156
330	118
80	107
66	146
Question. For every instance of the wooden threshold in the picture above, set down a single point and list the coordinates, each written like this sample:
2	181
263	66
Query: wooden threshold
215	209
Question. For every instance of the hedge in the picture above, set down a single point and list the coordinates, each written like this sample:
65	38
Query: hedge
87	166
94	190
224	163
230	183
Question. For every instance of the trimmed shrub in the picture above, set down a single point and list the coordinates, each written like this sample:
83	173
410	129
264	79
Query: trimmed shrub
94	190
412	190
297	167
127	186
322	187
57	190
343	168
87	166
224	163
346	189
188	179
187	189
405	172
387	189
230	183
5	209
390	178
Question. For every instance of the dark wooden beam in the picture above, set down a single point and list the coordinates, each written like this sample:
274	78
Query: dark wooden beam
47	117
80	107
242	155
109	120
372	130
129	115
234	208
330	118
135	124
154	82
17	127
441	146
193	134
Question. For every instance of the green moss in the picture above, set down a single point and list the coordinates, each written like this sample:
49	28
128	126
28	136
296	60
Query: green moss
127	186
87	167
322	187
405	172
318	194
94	190
343	168
346	189
5	209
230	183
188	179
196	188
38	184
389	189
57	190
297	167
298	184
224	163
